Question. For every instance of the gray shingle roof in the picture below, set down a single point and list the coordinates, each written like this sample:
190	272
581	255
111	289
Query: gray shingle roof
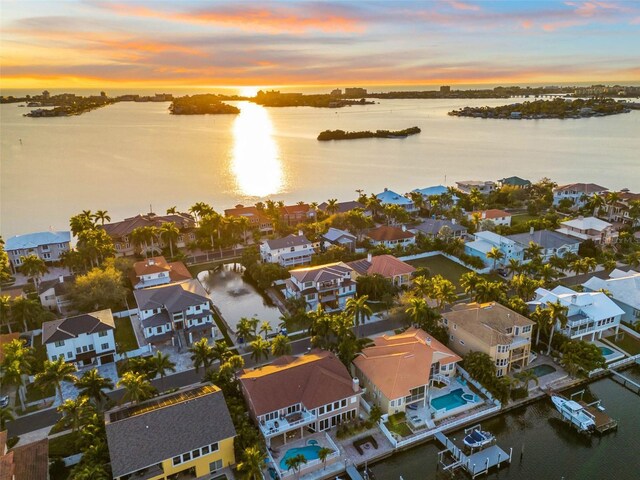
173	297
147	438
288	241
545	238
432	226
71	327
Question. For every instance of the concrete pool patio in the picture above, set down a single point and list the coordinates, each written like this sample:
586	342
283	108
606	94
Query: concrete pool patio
315	441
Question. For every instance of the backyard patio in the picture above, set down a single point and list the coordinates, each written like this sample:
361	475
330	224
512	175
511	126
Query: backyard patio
309	447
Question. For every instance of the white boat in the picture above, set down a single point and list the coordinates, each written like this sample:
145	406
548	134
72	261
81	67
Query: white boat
575	413
477	438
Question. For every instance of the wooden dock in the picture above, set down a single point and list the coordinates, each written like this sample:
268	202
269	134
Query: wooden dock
475	464
604	423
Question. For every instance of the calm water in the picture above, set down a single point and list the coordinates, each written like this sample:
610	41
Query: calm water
236	298
553	450
126	157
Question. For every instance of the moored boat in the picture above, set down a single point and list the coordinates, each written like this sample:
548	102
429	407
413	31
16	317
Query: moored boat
478	438
574	413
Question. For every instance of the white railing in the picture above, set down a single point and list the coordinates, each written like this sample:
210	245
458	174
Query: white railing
283	424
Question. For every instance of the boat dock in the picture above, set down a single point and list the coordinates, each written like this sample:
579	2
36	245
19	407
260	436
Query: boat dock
475	463
353	473
604	423
626	382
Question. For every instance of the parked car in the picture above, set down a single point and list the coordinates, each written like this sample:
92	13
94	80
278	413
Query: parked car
4	401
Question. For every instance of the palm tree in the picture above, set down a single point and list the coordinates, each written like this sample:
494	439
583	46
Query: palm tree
525	376
533	250
295	463
495	254
136	386
159	365
324	452
101	215
54	373
201	354
359	310
417	310
252	463
221	352
93	385
332	206
444	292
171	234
541	316
513	266
265	327
596	202
259	349
172	210
5	311
139	238
16	365
547	273
246	328
280	346
74	411
33	267
469	282
558	314
6	415
27	311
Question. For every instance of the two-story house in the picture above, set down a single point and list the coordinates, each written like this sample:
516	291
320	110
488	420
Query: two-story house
388	266
578	193
178	313
389	197
441	228
258	220
589	313
83	339
390	237
396	372
493	329
54	294
486	241
590	228
623	211
497	217
184	434
156	271
515	182
552	243
329	286
48	246
483	186
623	288
289	251
294	396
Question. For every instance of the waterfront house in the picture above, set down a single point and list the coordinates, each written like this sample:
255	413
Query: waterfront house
295	396
485	241
516	182
184	434
624	290
155	271
178	312
27	462
339	238
620	212
120	232
390	237
493	329
329	286
345	207
48	246
292	215
258	219
84	339
389	197
436	191
589	313
397	370
388	266
578	193
54	294
444	228
497	217
590	228
552	243
483	186
289	251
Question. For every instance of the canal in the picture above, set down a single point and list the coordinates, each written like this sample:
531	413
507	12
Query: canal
552	449
236	298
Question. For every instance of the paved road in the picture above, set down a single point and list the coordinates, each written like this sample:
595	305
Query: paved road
46	418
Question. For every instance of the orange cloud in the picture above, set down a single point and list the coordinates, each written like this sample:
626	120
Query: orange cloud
463	6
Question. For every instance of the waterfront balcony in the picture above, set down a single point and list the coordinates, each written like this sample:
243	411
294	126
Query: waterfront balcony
278	426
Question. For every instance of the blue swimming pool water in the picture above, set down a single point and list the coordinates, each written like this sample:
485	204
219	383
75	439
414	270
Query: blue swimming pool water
449	401
606	351
310	452
542	370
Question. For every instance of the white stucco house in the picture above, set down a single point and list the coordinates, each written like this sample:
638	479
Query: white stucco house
624	288
590	228
289	251
48	246
485	241
329	285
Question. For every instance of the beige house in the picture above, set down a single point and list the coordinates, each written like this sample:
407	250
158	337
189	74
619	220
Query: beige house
388	266
398	370
493	329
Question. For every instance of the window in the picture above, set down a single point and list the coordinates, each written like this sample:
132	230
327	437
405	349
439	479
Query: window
343	403
177	461
46	256
461	342
78	350
102	333
206	449
59	344
186	457
526	329
158	329
69	354
53	358
104	346
196	453
215	466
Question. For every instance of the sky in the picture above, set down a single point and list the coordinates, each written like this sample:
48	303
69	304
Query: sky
139	43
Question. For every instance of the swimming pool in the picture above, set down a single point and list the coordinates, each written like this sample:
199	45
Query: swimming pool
542	370
310	452
606	351
451	400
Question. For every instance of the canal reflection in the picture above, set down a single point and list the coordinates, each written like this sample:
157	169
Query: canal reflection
256	162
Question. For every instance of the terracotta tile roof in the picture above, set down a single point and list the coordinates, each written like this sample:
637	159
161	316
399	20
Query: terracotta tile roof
72	327
32	461
398	363
3	441
7	466
126	226
385	232
177	270
386	265
489	214
581	187
314	379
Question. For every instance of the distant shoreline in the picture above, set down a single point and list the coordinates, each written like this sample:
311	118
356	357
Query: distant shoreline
328	135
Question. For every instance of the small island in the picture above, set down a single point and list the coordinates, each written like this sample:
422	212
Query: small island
66	104
342	135
542	109
205	104
274	98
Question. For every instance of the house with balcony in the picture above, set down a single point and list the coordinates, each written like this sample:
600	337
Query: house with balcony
442	228
578	193
180	435
294	397
491	328
624	289
48	246
155	271
54	294
485	187
289	251
485	242
398	272
390	237
398	370
258	220
552	243
329	286
495	216
590	228
623	212
589	314
389	197
86	339
179	313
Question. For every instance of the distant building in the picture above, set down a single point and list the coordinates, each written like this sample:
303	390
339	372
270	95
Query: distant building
388	266
578	193
485	241
329	286
258	219
355	92
498	217
620	211
389	197
336	92
445	89
48	246
436	190
156	271
590	228
289	251
514	182
391	237
344	207
185	434
485	187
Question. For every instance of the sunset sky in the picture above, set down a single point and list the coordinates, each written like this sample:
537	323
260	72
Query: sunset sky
94	43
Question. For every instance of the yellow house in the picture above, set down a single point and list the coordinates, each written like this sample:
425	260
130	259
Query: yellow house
185	434
493	329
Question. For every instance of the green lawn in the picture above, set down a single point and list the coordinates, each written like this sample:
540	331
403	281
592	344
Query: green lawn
64	445
398	425
629	344
441	265
40	353
125	337
34	393
519	219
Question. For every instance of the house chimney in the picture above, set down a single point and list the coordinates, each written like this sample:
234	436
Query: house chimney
300	233
484	214
531	231
369	257
428	341
453	221
61	278
151	261
386	189
355	384
404	228
574	298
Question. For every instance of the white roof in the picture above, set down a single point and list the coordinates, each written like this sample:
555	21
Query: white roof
389	196
33	240
624	288
494	238
480	246
588	223
595	305
334	234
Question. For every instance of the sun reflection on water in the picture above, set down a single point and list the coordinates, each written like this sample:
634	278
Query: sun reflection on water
256	159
